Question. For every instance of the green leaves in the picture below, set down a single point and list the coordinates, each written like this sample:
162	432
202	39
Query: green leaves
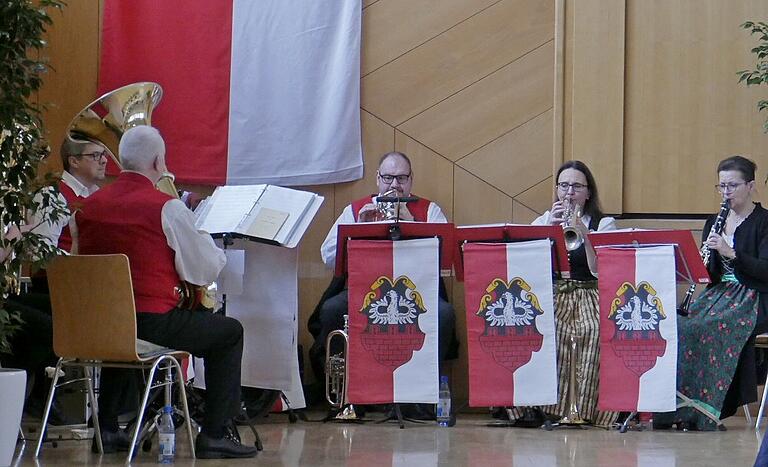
759	75
22	145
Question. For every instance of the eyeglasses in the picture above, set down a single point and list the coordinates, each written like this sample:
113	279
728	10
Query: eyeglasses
95	156
391	178
563	186
728	187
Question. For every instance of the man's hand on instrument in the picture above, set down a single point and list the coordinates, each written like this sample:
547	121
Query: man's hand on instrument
368	213
405	214
717	242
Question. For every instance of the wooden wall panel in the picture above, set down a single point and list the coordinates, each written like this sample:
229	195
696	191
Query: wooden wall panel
489	108
386	37
684	108
71	84
597	94
457	58
432	173
515	159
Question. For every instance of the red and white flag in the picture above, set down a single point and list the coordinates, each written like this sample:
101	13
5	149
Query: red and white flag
263	91
393	290
638	329
510	324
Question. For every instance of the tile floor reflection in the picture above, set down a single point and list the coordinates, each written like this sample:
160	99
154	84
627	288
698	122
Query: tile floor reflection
469	443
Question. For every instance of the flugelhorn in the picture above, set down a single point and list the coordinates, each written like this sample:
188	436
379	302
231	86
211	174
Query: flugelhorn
573	236
337	373
717	227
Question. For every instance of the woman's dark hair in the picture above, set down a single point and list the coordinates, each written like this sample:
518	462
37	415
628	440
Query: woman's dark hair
592	206
740	163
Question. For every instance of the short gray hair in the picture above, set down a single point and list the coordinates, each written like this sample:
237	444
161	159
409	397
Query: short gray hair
139	147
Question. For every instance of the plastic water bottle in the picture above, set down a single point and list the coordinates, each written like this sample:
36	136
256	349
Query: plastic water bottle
166	434
444	403
646	420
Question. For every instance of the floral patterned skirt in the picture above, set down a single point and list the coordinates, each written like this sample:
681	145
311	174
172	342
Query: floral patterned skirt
710	342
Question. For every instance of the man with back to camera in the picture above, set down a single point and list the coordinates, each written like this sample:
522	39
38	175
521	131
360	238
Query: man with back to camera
157	232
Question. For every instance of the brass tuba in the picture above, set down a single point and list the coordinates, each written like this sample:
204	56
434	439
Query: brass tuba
103	122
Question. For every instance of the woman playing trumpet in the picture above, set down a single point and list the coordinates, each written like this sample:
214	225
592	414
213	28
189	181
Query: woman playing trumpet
577	313
716	355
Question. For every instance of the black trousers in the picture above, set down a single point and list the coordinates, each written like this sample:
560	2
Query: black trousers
217	339
32	345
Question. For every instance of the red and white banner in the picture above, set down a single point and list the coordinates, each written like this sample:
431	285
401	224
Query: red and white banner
263	91
510	324
393	290
638	329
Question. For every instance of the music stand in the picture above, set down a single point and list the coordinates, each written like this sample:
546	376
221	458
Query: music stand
403	230
689	268
504	233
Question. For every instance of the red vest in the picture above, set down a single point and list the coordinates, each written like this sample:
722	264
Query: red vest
74	202
418	208
125	217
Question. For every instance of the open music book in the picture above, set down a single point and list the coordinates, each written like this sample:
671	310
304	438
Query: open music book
261	212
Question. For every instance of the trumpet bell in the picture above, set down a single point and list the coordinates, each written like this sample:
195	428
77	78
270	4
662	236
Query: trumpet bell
573	238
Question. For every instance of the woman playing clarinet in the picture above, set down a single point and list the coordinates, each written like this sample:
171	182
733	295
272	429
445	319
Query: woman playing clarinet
716	354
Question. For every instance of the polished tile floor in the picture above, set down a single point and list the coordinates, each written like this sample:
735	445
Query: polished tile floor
469	443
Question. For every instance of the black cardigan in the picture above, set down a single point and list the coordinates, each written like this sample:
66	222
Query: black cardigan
751	244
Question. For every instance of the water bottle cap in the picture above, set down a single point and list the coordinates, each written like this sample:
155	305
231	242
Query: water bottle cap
444	379
167	409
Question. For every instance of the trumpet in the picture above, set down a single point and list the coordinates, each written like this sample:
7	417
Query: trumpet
386	210
573	237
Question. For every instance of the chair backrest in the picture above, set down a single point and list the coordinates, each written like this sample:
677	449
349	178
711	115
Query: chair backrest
94	317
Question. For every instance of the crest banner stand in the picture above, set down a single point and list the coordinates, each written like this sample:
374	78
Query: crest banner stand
508	234
443	232
689	268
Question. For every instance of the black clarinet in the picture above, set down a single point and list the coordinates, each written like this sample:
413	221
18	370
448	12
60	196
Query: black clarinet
705	252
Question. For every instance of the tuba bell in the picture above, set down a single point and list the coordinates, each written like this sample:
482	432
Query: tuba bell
103	122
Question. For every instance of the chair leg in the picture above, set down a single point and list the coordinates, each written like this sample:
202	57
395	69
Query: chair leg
140	413
89	375
762	405
184	406
747	415
47	411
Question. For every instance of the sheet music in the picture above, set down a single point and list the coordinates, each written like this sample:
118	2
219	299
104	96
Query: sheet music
230	204
293	202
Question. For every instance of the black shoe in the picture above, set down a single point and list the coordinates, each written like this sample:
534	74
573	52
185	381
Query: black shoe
112	441
228	447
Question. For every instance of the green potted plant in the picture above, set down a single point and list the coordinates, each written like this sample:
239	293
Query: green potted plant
22	148
759	74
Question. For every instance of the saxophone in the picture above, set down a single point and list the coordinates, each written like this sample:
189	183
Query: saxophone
717	227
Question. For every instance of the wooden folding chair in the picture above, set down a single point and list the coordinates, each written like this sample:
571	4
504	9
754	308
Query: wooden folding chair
94	325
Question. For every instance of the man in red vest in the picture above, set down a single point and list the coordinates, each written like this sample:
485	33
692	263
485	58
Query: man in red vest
84	169
157	232
394	173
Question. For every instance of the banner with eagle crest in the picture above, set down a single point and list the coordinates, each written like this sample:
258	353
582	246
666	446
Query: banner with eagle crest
510	324
638	329
393	289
